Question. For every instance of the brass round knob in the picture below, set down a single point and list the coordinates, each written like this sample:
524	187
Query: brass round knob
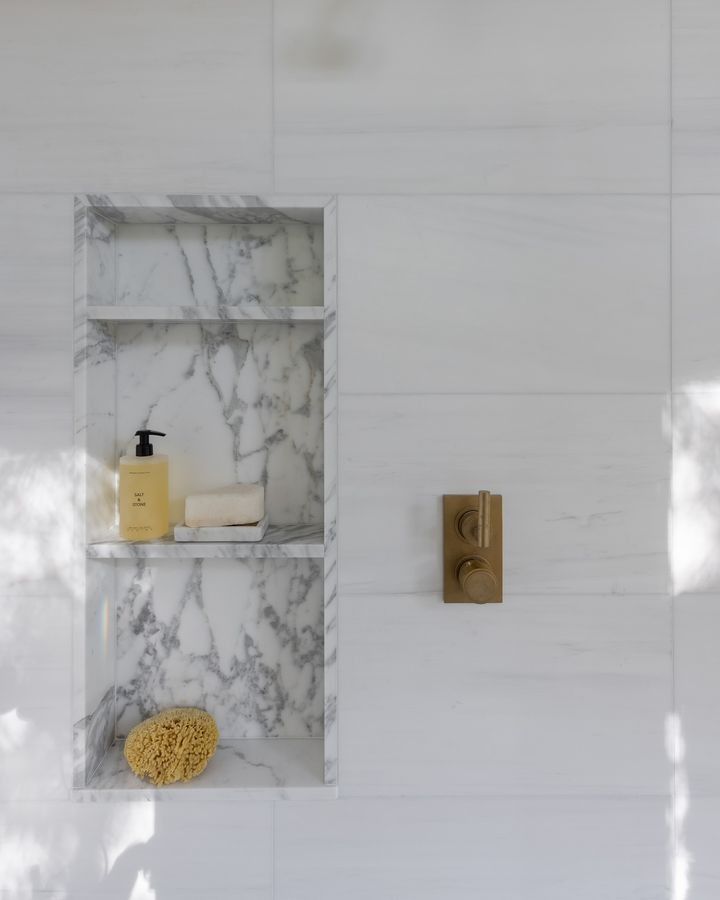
477	579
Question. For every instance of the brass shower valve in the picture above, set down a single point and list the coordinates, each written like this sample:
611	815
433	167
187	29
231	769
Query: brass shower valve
472	551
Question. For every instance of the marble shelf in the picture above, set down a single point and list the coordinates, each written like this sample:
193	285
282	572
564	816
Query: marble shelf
271	768
172	314
280	542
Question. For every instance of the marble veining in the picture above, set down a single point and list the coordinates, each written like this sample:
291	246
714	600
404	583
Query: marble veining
92	735
239	402
239	638
200	208
255	312
218	265
240	370
330	438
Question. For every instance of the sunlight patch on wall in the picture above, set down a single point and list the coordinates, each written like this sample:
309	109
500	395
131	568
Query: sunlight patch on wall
129	827
680	859
22	855
141	889
36	519
694	559
12	731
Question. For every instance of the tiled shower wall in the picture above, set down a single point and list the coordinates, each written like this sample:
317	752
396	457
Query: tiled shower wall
529	271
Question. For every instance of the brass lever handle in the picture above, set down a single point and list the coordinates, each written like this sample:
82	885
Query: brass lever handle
474	525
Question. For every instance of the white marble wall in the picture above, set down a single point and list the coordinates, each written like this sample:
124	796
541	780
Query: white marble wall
215	265
223	395
239	638
560	703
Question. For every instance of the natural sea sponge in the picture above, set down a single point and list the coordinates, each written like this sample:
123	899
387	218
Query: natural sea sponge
174	745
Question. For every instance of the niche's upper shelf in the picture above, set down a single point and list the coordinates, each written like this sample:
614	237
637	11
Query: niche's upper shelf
240	313
280	541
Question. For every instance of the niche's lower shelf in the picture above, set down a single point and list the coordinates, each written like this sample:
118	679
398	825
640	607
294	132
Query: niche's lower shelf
280	542
285	768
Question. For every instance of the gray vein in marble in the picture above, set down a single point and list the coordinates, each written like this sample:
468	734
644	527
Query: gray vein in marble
193	208
92	736
285	646
221	264
242	639
243	402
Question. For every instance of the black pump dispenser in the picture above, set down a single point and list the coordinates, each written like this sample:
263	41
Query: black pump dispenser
144	447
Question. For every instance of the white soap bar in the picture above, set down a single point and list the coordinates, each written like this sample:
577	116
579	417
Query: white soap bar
238	504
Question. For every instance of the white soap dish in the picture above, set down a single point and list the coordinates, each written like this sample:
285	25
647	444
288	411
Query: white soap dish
244	533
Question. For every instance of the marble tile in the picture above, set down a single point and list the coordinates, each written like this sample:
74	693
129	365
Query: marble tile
280	542
330	509
123	208
220	264
35	625
36	503
35	715
139	849
426	97
541	695
696	306
35	292
550	849
697	689
36	743
139	99
36	235
93	736
696	96
29	687
518	294
94	657
585	484
224	395
241	639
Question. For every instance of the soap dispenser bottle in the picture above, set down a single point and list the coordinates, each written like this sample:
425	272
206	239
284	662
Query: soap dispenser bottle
144	505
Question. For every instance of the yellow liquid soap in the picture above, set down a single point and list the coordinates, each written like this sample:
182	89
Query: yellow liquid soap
143	498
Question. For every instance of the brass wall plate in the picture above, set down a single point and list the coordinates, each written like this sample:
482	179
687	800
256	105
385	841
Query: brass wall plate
456	548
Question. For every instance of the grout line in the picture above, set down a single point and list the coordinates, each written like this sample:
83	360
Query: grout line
582	394
437	592
675	836
340	191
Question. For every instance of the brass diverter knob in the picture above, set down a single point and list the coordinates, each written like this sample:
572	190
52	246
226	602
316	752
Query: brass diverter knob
477	579
472	548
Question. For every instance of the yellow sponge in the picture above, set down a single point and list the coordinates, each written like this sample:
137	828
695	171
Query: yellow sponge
174	745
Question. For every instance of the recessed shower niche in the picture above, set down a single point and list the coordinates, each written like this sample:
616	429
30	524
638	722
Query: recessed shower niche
212	319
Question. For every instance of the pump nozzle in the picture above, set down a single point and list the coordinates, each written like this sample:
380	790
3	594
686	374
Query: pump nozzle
144	447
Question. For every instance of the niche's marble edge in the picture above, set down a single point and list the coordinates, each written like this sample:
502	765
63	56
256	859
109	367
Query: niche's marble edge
175	314
276	762
280	542
193	208
330	462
